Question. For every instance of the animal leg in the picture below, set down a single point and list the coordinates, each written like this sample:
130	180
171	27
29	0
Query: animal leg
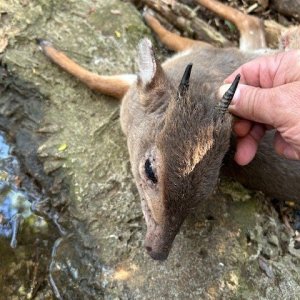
170	39
115	86
252	33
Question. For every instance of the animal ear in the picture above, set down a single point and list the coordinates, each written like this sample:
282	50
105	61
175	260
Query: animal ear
149	68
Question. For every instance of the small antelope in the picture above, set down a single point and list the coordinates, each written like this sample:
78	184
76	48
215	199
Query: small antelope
178	130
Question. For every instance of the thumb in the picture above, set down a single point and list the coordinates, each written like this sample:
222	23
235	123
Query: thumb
282	147
252	103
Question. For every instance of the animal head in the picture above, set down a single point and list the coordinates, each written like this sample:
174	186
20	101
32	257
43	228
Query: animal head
177	143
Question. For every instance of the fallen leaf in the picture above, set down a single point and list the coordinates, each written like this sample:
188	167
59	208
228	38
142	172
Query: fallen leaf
62	147
118	34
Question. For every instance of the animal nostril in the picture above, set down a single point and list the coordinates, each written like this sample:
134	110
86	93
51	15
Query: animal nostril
149	249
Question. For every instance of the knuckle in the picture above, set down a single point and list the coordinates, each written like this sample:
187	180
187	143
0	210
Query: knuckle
253	103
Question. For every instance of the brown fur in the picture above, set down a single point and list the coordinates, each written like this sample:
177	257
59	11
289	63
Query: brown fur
183	141
192	143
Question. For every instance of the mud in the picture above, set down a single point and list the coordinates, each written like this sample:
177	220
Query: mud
73	153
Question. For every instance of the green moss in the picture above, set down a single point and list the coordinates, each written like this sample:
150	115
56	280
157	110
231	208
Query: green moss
236	191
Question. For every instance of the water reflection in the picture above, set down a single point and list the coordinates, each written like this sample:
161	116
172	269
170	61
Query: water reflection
14	203
4	147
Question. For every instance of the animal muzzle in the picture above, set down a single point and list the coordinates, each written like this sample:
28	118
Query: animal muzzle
158	242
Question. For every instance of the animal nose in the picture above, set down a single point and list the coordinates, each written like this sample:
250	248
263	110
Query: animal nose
156	255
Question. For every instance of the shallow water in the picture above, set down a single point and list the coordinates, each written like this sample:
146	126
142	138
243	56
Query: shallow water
14	203
24	237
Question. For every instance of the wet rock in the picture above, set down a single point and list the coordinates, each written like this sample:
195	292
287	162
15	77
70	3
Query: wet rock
288	7
265	266
26	233
296	224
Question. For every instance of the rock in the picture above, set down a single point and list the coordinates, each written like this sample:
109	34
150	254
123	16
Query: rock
289	8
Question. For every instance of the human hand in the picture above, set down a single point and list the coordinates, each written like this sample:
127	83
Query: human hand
267	97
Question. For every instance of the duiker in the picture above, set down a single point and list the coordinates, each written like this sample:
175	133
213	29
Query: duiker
178	131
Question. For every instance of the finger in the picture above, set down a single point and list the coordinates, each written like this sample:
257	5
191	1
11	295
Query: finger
247	146
270	70
245	151
255	104
242	127
277	107
249	75
285	149
256	73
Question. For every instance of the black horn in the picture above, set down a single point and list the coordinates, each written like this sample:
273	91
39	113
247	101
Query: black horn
184	83
222	106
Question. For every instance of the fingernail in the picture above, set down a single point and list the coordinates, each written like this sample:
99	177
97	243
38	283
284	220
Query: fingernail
290	153
223	89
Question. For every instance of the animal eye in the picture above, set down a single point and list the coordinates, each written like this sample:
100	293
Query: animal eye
149	171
